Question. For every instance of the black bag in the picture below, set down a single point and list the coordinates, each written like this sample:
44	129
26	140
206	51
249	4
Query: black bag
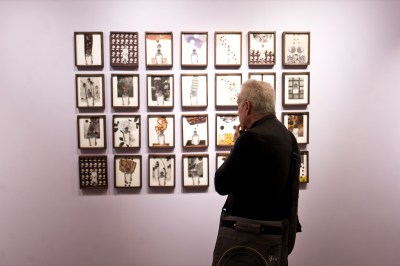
243	241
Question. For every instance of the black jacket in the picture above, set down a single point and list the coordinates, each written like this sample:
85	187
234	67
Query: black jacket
255	175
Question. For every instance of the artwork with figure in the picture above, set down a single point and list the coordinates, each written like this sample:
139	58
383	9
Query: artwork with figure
227	88
225	129
296	48
261	48
93	172
125	90
124	49
91	130
90	90
161	131
195	170
126	131
228	49
159	49
88	49
194	131
127	171
160	91
194	90
161	170
194	49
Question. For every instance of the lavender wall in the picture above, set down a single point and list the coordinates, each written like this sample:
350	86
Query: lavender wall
350	210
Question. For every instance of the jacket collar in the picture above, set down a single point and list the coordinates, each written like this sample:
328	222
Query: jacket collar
262	119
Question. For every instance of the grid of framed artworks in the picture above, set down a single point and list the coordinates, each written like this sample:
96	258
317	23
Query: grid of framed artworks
160	89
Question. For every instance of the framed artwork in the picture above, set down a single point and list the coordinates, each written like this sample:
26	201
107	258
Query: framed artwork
194	49
160	91
126	131
159	49
228	49
161	170
220	159
225	125
298	124
125	91
261	48
89	49
124	49
93	171
304	172
295	89
161	131
89	91
195	171
296	49
92	132
227	88
195	131
194	90
269	77
127	171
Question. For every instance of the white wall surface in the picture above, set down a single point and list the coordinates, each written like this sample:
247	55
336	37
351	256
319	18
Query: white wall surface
350	210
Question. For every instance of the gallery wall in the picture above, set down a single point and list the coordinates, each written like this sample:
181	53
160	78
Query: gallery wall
350	210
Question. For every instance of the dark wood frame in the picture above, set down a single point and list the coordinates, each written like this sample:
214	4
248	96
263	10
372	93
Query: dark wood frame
160	146
136	91
187	143
86	169
217	90
79	103
133	49
307	169
218	129
136	119
217	53
220	154
285	90
185	88
138	167
102	133
184	177
78	50
194	65
304	139
161	35
295	50
150	91
252	74
150	170
251	56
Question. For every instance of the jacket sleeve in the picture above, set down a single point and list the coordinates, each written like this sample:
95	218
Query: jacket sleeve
228	175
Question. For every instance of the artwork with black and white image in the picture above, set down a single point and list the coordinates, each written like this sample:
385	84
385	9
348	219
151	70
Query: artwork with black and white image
88	49
124	51
194	90
89	91
93	172
159	49
261	48
195	170
126	131
296	49
295	88
91	132
161	170
127	171
125	90
160	91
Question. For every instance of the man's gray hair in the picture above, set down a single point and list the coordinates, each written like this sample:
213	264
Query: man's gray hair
260	94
